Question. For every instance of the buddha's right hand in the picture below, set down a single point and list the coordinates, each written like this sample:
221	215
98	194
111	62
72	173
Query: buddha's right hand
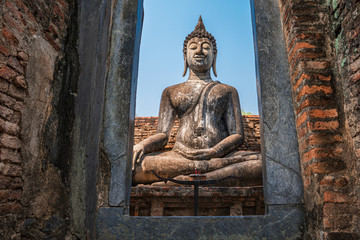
138	152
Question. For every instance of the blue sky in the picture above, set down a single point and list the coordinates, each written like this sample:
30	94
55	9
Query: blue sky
168	22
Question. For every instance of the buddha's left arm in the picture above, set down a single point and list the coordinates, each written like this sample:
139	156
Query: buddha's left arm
233	141
234	124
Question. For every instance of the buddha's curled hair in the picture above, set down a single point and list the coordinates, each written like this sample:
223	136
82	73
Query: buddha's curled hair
200	32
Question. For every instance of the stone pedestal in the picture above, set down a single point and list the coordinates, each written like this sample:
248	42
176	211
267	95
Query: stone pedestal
213	201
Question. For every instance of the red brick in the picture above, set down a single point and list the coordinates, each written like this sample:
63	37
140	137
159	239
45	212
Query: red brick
357	152
311	76
10	102
23	63
13	9
300	45
10	155
63	3
355	77
6	112
332	125
9	141
341	182
20	82
300	66
301	79
9	36
355	66
355	33
22	56
314	103
14	63
7	182
328	113
4	195
300	120
316	113
336	197
342	222
9	169
327	223
12	23
4	50
15	118
316	64
9	195
4	86
21	6
16	92
307	182
307	90
320	139
15	195
321	153
10	208
8	127
335	209
328	181
311	55
302	131
7	73
323	167
52	42
53	30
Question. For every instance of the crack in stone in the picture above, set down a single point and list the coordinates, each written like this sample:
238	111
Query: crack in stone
283	165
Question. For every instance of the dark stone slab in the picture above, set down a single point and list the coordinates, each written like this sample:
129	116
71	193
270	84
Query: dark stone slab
281	167
282	222
119	115
93	41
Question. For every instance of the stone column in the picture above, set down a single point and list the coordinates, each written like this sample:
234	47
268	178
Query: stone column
119	113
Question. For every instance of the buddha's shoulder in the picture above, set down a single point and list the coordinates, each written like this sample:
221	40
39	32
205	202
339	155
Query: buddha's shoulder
225	87
181	87
175	87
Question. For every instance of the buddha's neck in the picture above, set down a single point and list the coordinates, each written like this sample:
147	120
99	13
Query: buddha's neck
204	76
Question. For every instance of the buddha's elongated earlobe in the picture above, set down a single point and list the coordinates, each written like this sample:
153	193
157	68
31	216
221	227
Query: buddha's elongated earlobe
185	67
214	66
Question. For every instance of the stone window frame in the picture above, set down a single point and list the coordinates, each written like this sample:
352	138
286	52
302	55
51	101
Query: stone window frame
283	187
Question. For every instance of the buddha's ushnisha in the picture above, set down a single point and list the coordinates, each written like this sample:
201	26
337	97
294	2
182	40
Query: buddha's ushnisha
210	124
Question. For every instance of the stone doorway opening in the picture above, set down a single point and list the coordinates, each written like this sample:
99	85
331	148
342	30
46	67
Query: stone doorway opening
283	191
232	19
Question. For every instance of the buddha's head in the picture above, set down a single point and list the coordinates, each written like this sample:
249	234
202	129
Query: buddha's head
200	50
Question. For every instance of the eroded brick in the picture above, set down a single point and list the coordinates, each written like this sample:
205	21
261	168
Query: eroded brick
10	169
7	73
9	141
10	155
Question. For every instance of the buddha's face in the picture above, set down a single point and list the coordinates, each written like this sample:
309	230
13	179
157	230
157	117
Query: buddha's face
200	54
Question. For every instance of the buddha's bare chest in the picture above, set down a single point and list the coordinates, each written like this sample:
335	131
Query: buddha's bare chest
185	99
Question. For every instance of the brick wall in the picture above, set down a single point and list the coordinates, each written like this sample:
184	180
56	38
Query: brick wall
146	127
326	159
21	22
345	26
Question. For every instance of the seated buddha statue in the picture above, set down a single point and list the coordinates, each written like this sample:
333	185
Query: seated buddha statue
210	125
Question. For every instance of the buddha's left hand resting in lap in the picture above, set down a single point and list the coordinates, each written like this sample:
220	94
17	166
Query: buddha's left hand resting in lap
210	125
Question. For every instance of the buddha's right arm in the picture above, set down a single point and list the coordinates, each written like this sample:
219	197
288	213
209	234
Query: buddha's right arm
154	142
148	145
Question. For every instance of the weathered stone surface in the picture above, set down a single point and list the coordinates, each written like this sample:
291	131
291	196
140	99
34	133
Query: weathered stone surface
282	178
119	111
93	39
281	222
